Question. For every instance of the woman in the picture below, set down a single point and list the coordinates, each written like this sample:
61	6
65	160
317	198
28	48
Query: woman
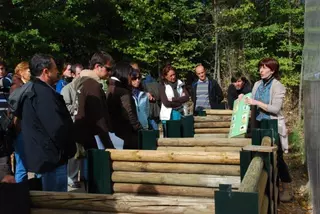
239	85
140	97
267	99
121	106
66	77
173	96
21	76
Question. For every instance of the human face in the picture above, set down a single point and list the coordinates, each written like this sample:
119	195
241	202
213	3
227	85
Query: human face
104	71
201	73
239	84
78	71
171	76
135	81
52	73
67	72
25	75
265	72
2	71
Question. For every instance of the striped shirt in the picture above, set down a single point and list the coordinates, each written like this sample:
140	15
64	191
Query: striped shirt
202	100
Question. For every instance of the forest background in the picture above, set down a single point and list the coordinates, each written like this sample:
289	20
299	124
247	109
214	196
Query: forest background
226	36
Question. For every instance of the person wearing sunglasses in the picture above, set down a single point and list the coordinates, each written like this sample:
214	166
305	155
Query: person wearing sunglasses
140	97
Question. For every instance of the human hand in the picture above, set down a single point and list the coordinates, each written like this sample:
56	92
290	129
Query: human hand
8	179
240	96
150	97
250	101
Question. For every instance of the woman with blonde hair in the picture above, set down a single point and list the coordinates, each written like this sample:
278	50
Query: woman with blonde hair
21	76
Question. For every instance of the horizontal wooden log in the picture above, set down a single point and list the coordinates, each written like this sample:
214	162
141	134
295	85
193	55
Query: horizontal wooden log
218	112
212	125
163	190
232	142
211	169
124	203
202	148
204	135
251	179
265	205
212	118
175	156
255	148
262	186
211	130
195	180
64	211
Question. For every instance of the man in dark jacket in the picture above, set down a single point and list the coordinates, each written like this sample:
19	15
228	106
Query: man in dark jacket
46	125
239	85
92	118
206	92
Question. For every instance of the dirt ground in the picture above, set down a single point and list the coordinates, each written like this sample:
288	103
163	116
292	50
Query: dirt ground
299	175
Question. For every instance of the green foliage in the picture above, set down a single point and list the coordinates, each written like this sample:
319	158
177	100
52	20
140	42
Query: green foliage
296	140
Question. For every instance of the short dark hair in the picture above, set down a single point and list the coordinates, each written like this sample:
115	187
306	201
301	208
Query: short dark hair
121	71
39	62
271	63
74	66
2	63
100	58
237	76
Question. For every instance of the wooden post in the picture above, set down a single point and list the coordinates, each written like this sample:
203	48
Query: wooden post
213	118
232	142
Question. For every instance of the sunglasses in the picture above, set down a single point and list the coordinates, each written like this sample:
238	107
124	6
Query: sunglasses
106	67
135	78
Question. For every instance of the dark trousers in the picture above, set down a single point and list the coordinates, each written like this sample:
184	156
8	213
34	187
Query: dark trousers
4	166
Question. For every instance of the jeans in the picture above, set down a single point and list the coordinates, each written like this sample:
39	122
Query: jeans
153	124
21	173
73	170
56	180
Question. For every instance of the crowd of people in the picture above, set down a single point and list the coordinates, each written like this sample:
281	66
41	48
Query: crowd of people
54	121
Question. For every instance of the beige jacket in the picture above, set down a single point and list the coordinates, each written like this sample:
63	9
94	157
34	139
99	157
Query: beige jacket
277	94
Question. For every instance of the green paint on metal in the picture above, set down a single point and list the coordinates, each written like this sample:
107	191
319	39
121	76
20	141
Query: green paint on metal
228	202
148	139
173	128
187	129
256	137
245	160
99	172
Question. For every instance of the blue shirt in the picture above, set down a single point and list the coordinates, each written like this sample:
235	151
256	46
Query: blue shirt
263	95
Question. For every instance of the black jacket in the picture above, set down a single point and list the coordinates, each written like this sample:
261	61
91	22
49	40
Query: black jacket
215	94
233	93
123	114
47	128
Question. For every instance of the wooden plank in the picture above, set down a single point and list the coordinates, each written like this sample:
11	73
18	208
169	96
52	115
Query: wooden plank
211	169
163	190
179	179
121	203
204	135
212	130
175	156
212	118
202	148
218	112
254	148
251	179
236	142
65	211
212	125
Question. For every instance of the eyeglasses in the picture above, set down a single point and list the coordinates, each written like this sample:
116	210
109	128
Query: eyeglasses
136	78
106	67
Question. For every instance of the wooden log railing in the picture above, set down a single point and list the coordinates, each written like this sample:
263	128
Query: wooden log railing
184	173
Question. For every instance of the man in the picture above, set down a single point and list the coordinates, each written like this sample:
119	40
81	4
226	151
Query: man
239	85
5	148
68	92
91	114
46	124
206	92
